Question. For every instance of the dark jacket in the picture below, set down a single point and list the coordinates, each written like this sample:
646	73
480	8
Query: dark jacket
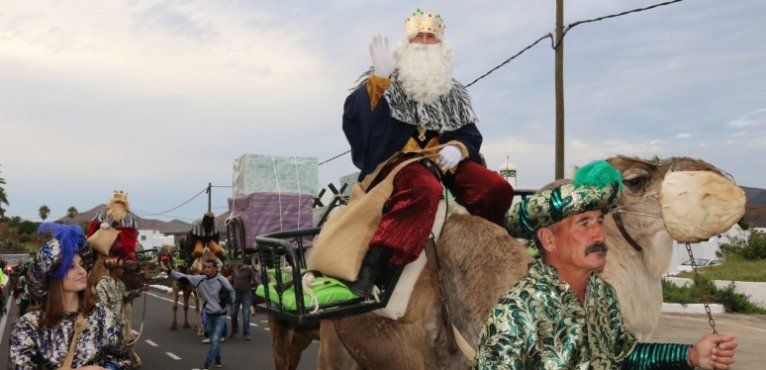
375	136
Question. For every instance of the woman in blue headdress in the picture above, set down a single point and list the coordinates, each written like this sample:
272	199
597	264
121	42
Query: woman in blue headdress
55	336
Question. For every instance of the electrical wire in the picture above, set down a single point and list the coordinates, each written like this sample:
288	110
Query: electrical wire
174	208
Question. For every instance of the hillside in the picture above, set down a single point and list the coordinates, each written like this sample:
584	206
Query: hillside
755	210
165	227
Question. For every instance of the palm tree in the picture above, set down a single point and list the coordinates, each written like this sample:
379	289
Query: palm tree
44	211
71	212
3	197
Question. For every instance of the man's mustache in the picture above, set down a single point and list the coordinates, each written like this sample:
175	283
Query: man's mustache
596	247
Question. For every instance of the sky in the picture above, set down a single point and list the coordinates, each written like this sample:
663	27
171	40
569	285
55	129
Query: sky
159	98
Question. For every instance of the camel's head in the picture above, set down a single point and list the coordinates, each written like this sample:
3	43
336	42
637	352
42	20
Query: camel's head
676	198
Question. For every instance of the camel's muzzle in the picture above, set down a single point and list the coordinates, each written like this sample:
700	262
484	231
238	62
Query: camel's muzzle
697	205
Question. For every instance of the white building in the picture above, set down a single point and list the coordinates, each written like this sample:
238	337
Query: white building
706	249
153	239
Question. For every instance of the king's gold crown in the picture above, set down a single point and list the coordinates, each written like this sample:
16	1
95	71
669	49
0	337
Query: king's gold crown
120	196
426	22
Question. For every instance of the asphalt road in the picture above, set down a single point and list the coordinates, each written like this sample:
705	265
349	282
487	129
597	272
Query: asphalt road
161	348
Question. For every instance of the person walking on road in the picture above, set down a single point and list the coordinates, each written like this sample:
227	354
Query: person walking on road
217	293
242	278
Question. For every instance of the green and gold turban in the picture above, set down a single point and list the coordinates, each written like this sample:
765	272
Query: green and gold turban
595	187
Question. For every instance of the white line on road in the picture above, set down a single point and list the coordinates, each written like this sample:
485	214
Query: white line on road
134	332
150	343
5	317
172	355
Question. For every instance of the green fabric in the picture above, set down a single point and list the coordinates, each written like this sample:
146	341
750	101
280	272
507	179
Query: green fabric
540	324
597	188
3	278
326	289
656	356
598	174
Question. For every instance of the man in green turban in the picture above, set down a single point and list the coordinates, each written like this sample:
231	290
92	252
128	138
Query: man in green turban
562	314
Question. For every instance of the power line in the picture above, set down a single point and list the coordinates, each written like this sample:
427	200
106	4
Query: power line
543	37
176	207
554	45
573	25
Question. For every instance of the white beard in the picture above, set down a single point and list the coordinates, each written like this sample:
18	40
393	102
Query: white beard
425	70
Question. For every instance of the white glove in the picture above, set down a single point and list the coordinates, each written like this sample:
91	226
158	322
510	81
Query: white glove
449	157
382	58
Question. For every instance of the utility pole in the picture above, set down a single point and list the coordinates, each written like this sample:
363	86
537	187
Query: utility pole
559	82
209	197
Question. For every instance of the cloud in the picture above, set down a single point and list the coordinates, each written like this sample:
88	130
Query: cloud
754	118
167	17
684	135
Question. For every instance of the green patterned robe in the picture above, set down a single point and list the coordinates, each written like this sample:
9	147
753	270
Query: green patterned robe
540	324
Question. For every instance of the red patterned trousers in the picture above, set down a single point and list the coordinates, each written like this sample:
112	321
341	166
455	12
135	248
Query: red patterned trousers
409	213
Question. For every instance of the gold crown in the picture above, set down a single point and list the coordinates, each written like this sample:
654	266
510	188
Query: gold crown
120	196
421	21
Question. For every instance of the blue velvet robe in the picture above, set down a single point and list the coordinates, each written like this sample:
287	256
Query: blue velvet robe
375	136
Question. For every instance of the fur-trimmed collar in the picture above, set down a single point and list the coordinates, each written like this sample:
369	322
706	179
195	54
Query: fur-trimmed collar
450	112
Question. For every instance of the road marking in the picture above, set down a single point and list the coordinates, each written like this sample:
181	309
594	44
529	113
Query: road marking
5	318
171	301
263	321
267	329
134	332
172	355
150	343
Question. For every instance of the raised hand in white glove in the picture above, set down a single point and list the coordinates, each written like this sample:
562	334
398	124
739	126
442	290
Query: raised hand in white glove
382	58
449	157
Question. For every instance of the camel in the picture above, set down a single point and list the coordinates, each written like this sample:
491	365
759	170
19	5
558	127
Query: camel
479	262
187	289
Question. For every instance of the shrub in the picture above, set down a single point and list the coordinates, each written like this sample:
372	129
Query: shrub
728	297
751	248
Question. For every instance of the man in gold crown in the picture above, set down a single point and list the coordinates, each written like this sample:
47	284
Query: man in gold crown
117	215
409	102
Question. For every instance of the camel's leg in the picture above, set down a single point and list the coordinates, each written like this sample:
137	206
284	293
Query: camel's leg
332	353
173	325
287	343
187	292
198	309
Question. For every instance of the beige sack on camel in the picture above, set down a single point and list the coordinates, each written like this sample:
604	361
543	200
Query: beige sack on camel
345	237
698	205
103	238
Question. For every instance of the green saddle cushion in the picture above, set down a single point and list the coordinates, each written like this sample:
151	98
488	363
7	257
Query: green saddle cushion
326	289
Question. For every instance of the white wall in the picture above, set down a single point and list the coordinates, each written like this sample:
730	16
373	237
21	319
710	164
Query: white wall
153	239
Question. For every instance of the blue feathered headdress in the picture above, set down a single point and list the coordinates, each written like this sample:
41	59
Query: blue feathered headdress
70	240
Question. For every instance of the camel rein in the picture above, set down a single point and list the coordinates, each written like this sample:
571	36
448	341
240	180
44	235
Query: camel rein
141	328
